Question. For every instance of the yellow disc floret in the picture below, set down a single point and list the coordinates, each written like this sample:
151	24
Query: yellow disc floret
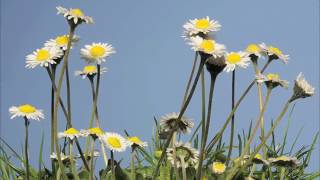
233	58
275	50
218	167
97	51
135	140
76	12
96	131
42	55
90	69
202	24
208	45
273	76
253	48
114	142
62	40
71	131
27	108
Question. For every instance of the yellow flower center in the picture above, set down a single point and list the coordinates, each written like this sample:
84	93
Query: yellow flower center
42	55
208	45
76	12
282	158
97	51
135	140
253	48
275	50
27	108
218	167
158	154
71	131
273	76
90	69
258	156
114	142
62	40
96	131
202	24
233	58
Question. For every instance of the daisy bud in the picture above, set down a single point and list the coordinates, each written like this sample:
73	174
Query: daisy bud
302	88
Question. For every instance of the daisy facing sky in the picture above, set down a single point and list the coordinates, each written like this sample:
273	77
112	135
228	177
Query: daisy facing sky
43	57
207	46
70	133
74	15
90	70
274	53
115	142
61	41
236	59
26	110
254	49
203	25
96	52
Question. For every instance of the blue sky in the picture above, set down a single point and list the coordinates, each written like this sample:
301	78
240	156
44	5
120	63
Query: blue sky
147	75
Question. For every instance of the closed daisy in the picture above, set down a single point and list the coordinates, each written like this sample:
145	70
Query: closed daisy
115	142
254	50
43	57
89	71
61	42
274	53
203	25
70	133
272	80
236	59
207	46
170	121
96	52
183	150
284	161
136	141
302	88
75	16
218	167
26	110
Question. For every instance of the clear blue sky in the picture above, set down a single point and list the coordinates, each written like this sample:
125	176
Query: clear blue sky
147	75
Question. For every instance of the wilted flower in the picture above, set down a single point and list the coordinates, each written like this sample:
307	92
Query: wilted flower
274	53
284	161
43	57
170	121
272	80
236	59
74	16
218	167
302	88
115	142
70	133
26	110
207	46
89	71
183	150
96	52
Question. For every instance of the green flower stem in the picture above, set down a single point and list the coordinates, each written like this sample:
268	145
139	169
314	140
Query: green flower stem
258	148
183	168
53	70
176	170
132	167
92	161
206	132
73	166
105	157
96	95
113	175
26	124
183	109
220	133
232	119
190	79
68	91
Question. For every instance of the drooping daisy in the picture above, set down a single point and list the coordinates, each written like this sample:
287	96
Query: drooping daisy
96	52
236	59
115	142
74	15
203	25
26	110
43	57
94	132
254	50
69	133
274	53
61	41
284	161
183	150
218	167
170	121
207	46
272	80
136	141
302	88
89	71
258	159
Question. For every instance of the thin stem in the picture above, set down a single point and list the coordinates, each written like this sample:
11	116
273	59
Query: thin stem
175	156
112	166
183	168
26	124
92	161
68	91
206	132
53	69
73	166
132	168
232	119
105	157
96	95
183	109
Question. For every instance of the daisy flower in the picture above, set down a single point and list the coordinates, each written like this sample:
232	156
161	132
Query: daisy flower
115	142
254	50
96	52
43	57
284	161
207	46
272	80
203	25
136	141
183	150
169	121
75	16
258	159
88	155
69	133
236	59
93	132
302	88
89	71
274	53
218	167
61	41
64	157
26	110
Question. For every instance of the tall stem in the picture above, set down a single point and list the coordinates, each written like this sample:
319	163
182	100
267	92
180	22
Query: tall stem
105	157
53	69
92	161
73	166
26	124
96	94
205	136
176	170
68	91
132	168
112	166
232	119
190	79
183	168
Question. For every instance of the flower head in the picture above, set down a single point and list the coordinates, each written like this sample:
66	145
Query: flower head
115	142
69	133
96	52
94	132
64	158
284	161
207	46
88	155
272	80
183	150
61	41
302	88
200	26
218	167
170	121
89	71
26	110
257	159
254	51
274	53
43	57
136	141
74	16
236	59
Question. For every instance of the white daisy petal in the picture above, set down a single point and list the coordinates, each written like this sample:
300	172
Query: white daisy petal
207	46
115	142
74	15
96	52
236	59
26	110
43	57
